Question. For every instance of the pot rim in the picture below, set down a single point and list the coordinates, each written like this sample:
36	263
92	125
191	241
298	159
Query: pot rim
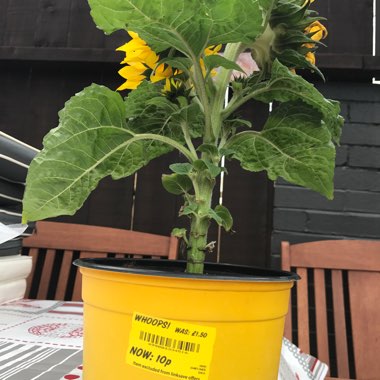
176	268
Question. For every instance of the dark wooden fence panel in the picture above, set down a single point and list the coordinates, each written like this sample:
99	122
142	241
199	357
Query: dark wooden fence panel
249	197
67	24
110	205
350	40
51	28
155	210
34	92
32	95
349	23
20	19
82	32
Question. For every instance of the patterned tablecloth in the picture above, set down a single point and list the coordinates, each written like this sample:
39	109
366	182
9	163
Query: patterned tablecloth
43	340
40	340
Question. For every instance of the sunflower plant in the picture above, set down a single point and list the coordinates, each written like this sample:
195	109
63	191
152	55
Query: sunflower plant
179	62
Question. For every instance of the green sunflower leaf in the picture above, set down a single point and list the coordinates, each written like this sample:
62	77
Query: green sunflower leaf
284	86
213	61
296	60
211	149
180	233
181	63
188	26
91	142
176	183
294	144
182	168
225	217
149	111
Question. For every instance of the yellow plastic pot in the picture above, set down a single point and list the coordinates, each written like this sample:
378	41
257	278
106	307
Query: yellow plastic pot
146	320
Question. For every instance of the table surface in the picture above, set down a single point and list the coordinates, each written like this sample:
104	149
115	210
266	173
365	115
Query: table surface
42	340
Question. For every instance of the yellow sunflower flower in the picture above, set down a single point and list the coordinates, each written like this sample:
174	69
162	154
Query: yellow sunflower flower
172	84
136	50
213	49
310	57
317	32
210	50
162	72
133	75
139	58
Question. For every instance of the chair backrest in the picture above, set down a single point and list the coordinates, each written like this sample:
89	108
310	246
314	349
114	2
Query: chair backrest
338	297
54	246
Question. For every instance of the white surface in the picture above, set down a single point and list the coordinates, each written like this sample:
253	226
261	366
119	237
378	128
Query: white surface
14	267
9	232
12	290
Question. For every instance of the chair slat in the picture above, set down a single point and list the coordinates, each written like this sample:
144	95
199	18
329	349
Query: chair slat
337	254
285	255
303	311
33	252
285	264
63	277
340	324
173	248
288	323
46	274
85	238
364	291
321	315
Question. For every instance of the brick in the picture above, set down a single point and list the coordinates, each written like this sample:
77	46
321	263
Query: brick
341	156
357	179
350	179
327	222
298	197
365	113
349	224
289	220
344	110
363	201
360	134
344	200
350	91
364	157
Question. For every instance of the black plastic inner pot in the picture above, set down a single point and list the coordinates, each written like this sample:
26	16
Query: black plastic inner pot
176	268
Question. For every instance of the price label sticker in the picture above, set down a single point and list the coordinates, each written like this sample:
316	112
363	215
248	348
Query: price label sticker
171	348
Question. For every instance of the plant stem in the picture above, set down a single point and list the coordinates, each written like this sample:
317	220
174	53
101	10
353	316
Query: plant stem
200	221
231	53
151	136
200	86
186	134
202	181
239	101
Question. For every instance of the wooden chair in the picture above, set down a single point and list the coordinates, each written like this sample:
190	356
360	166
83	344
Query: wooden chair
54	246
339	294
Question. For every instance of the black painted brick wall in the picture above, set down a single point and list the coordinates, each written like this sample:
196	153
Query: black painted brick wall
301	215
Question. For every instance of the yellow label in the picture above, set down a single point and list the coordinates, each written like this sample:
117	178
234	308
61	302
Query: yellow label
170	348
